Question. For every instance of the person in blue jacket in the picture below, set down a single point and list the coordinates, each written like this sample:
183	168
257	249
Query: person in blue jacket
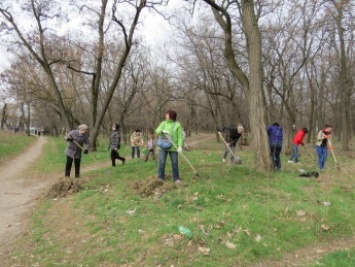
275	133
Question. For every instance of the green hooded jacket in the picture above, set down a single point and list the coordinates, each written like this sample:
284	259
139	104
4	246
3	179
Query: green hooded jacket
175	130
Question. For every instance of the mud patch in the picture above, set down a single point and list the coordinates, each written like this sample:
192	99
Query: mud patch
65	186
152	186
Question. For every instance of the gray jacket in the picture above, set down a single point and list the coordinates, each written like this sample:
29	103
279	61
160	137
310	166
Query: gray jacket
115	140
73	150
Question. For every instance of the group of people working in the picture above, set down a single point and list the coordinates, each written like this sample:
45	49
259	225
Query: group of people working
169	128
172	130
275	134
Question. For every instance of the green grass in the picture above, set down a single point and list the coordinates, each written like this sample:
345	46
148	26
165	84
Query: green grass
335	259
12	144
264	215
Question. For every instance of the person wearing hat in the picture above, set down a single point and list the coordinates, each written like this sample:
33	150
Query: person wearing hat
231	137
76	140
115	144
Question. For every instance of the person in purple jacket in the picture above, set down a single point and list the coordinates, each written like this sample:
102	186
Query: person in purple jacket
275	133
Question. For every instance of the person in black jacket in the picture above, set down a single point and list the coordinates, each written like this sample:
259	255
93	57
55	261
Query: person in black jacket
231	137
115	144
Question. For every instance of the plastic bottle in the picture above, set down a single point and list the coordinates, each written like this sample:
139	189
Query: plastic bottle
185	231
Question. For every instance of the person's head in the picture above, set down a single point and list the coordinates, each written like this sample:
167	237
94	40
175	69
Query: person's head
83	129
138	132
115	127
170	115
328	128
305	130
276	124
240	128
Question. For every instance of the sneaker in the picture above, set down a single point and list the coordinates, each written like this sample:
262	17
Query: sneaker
223	160
290	161
177	181
298	163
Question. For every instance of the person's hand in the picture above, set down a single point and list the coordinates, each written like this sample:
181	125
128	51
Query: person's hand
165	132
86	151
179	149
326	136
70	139
304	145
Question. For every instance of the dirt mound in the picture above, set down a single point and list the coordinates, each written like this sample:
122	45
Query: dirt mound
152	186
65	186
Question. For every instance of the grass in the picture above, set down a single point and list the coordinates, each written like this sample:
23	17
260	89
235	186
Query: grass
12	144
241	216
335	259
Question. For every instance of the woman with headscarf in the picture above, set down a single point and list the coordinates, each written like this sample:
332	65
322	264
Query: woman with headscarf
76	140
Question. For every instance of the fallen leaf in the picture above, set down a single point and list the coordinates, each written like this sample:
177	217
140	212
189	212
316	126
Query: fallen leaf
238	230
230	245
257	238
300	213
302	219
324	227
131	212
204	251
177	237
247	231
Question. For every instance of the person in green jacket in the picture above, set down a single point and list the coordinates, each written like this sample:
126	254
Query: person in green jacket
173	129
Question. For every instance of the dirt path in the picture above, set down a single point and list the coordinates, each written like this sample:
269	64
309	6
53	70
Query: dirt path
18	192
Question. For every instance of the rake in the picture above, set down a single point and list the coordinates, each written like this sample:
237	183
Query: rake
230	150
333	154
106	170
185	158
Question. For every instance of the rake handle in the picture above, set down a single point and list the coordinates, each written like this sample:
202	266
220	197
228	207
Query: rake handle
224	141
76	143
331	150
182	154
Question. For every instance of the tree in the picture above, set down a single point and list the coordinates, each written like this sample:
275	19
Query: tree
251	82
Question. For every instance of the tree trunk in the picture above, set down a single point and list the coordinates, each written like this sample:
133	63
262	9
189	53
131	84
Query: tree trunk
252	86
256	97
3	119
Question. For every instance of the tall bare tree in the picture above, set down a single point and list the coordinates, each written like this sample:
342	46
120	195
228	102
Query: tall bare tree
251	80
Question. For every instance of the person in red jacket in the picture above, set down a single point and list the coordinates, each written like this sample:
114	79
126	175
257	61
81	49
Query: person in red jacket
297	140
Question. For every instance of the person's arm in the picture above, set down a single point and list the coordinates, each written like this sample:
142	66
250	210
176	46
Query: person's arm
87	145
69	136
180	140
118	141
160	128
320	136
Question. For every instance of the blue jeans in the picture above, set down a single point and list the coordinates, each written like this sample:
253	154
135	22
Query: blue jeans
275	150
295	153
322	153
163	154
226	151
138	151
